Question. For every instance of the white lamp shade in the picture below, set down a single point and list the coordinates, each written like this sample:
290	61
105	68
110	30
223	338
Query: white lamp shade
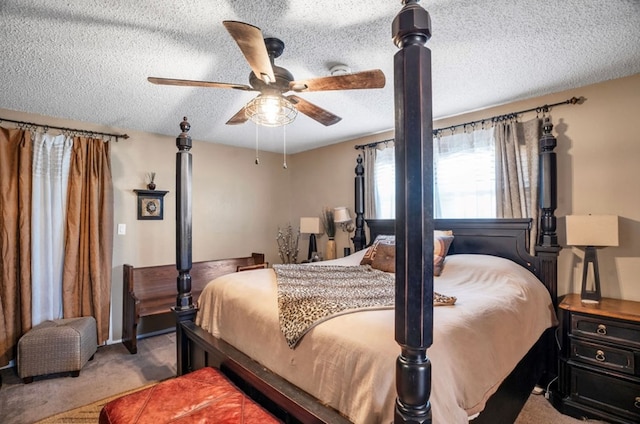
310	225
341	214
592	230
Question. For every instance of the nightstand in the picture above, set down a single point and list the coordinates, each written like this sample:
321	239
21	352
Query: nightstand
599	367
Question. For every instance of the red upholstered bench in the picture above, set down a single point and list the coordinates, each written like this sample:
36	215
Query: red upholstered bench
203	396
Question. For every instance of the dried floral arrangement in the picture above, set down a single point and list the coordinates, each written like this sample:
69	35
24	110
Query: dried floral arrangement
326	217
151	176
288	244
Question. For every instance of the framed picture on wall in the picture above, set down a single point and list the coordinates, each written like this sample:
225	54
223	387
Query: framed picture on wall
150	204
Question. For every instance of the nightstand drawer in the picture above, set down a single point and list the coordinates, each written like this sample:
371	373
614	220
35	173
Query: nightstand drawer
604	329
615	359
602	392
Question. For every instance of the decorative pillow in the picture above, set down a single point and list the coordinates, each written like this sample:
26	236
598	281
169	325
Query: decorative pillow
367	259
385	258
440	248
441	242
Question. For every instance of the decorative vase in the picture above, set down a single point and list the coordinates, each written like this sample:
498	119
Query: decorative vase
331	249
151	176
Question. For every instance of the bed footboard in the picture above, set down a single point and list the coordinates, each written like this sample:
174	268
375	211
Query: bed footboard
293	405
277	395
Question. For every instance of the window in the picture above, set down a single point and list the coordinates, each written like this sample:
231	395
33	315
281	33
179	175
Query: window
464	177
384	180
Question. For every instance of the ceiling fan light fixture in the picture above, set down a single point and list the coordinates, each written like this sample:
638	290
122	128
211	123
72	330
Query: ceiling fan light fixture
271	110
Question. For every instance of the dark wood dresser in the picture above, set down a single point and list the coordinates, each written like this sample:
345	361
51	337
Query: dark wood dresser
599	369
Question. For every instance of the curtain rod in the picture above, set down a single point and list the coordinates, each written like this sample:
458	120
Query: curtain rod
72	130
493	119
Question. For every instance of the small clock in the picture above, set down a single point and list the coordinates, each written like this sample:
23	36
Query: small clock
151	207
150	204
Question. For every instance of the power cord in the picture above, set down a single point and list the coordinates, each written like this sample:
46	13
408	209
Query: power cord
556	336
546	393
537	390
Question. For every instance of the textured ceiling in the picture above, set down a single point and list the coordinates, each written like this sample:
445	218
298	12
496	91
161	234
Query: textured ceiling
88	60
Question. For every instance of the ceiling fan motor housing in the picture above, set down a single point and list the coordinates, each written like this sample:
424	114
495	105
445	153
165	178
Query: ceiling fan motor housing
275	47
283	78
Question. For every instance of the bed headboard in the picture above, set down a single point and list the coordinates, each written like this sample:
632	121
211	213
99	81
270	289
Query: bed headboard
507	238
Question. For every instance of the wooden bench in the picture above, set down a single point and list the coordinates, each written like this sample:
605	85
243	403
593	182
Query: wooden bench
152	290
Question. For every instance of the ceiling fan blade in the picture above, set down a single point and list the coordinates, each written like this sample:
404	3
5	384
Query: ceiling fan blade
191	83
323	116
238	118
251	43
359	80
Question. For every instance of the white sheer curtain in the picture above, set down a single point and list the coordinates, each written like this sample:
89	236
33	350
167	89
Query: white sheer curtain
464	175
51	162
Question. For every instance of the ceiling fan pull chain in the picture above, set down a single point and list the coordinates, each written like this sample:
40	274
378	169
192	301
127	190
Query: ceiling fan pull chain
257	158
284	149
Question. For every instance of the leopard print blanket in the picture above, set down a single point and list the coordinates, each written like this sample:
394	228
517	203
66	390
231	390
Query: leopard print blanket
310	294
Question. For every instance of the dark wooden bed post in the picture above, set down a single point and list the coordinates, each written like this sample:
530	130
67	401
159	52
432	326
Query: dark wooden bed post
414	213
184	309
547	247
359	238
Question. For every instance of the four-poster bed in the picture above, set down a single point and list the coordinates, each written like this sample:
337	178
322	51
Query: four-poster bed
413	229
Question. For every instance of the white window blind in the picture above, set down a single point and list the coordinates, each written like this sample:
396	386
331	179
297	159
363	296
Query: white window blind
384	173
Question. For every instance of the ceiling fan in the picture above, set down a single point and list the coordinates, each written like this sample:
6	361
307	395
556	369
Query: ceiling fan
272	107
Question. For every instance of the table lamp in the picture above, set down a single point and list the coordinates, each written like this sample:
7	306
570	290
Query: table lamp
342	216
591	231
310	225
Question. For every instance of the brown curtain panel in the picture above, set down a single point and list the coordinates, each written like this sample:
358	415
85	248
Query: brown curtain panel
86	280
15	239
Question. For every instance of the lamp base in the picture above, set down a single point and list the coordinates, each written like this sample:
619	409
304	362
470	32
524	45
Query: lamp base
590	260
313	247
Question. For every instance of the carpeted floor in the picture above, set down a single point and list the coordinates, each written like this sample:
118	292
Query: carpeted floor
115	371
87	414
536	411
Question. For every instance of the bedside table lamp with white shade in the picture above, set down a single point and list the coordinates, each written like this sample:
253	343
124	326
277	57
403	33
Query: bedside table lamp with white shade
311	225
591	231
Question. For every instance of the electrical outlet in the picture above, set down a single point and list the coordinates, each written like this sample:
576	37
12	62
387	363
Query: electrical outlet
122	229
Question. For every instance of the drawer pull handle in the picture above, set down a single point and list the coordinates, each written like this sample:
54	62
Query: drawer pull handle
637	402
600	356
602	329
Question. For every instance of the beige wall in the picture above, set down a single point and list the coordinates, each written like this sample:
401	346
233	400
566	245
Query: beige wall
238	206
598	160
324	178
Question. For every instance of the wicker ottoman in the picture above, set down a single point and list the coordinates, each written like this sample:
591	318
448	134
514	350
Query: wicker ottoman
62	345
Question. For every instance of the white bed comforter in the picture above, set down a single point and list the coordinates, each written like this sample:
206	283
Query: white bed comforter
348	362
